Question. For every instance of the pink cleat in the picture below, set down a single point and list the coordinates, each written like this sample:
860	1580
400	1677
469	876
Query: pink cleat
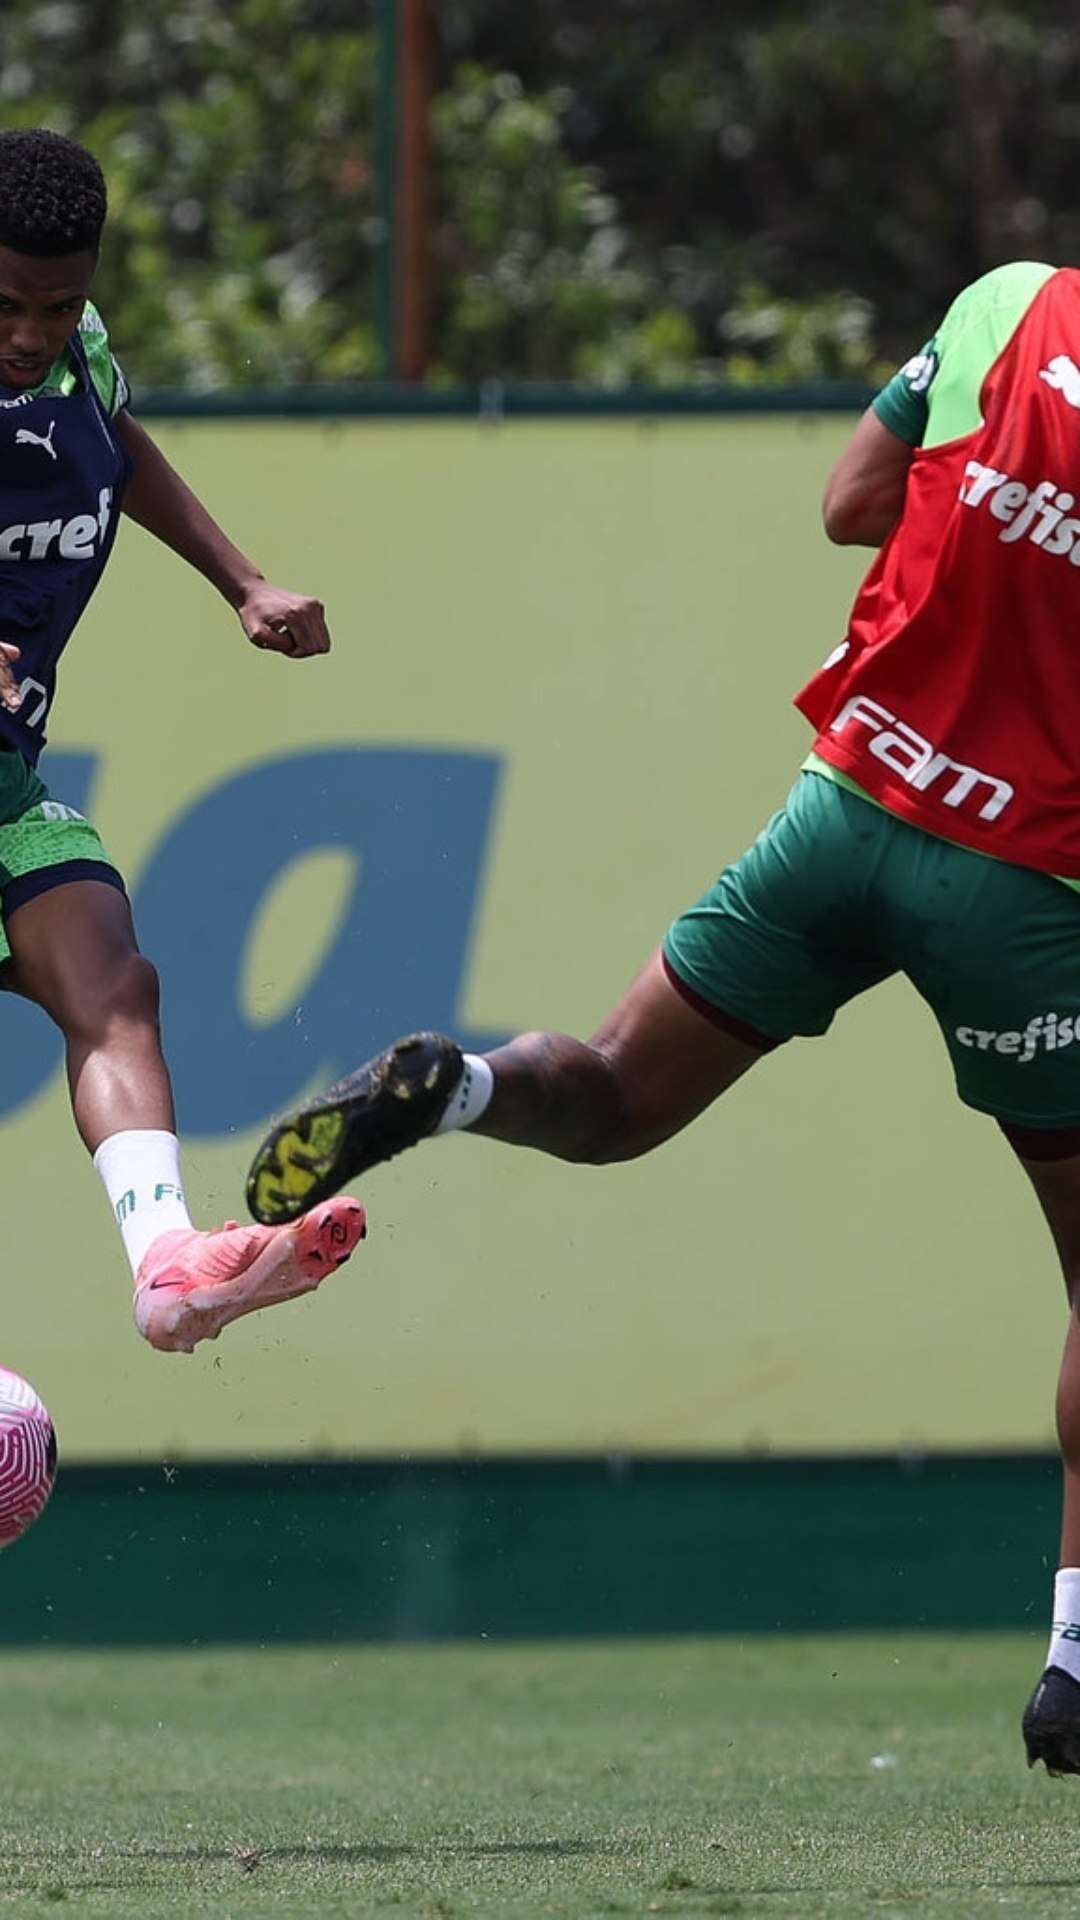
191	1284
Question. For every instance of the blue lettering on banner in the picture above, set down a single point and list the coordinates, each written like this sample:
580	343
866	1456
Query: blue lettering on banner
417	822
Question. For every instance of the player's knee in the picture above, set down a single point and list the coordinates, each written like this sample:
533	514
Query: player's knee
137	994
127	994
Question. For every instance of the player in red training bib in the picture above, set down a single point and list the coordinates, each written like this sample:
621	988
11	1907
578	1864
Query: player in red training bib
934	830
71	460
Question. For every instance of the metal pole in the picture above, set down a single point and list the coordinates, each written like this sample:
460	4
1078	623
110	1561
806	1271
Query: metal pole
386	145
412	246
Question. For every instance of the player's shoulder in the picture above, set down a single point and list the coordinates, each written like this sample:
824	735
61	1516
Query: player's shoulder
105	371
92	328
1013	284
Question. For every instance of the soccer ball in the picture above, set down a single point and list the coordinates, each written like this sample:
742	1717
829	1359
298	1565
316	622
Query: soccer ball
27	1456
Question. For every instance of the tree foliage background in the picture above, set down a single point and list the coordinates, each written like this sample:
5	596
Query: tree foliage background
667	191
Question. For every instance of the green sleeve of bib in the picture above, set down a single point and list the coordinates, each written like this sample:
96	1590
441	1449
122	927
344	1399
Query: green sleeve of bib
902	405
105	371
975	331
935	396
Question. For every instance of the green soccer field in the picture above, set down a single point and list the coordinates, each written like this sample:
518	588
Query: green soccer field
840	1776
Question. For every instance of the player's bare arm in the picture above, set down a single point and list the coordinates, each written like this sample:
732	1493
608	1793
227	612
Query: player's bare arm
864	494
158	499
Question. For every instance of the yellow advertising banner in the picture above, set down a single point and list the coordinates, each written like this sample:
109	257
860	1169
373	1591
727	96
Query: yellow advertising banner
558	703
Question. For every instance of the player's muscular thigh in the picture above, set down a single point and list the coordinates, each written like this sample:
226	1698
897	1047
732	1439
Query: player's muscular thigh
73	951
668	1060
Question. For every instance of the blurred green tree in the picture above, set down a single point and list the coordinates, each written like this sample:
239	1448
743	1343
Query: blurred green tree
235	141
806	182
626	190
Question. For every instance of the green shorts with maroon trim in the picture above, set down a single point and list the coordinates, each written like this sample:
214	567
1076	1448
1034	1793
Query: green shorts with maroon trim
837	894
43	843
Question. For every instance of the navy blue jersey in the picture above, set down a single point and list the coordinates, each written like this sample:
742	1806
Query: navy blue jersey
63	471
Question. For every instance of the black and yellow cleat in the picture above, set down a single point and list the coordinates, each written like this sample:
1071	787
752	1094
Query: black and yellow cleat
1051	1723
378	1111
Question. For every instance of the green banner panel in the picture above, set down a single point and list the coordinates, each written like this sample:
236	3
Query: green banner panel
416	1550
559	701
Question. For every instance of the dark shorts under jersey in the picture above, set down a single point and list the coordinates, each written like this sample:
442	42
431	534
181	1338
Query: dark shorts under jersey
43	842
836	894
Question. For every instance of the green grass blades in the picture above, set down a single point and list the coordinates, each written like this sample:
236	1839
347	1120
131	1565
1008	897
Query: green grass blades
848	1776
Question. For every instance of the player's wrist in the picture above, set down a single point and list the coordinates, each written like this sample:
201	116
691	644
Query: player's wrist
240	587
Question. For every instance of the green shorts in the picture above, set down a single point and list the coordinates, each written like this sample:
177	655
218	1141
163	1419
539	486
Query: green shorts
836	894
43	843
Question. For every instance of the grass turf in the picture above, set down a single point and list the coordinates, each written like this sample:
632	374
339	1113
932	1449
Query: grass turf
844	1776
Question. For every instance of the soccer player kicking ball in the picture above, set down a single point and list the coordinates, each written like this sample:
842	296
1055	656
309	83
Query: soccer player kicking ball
70	459
934	831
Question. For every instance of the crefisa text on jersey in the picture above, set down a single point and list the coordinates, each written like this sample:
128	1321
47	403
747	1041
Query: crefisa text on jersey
1039	514
74	539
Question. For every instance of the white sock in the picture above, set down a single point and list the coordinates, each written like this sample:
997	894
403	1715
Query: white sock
470	1096
141	1171
1065	1632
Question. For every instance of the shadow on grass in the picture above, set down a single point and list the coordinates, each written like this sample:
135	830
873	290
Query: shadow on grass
384	1850
249	1859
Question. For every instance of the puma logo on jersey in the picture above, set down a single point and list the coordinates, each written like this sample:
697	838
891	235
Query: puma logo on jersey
25	437
1063	375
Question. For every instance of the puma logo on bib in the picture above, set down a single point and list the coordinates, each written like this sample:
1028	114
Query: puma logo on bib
25	437
1063	375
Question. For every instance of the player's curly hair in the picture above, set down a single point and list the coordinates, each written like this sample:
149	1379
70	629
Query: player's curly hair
52	194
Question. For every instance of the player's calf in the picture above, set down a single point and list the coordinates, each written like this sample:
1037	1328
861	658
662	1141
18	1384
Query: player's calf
558	1095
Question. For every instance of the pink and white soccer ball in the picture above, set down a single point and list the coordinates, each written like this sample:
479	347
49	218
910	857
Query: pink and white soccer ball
27	1456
